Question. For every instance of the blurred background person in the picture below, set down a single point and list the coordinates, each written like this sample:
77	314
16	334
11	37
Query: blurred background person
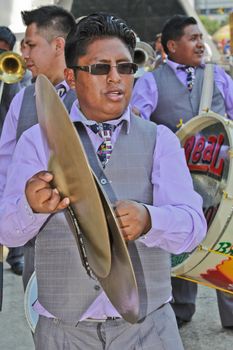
160	54
27	78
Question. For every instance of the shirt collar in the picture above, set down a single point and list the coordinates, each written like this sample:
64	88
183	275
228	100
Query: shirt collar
76	115
174	65
61	83
64	83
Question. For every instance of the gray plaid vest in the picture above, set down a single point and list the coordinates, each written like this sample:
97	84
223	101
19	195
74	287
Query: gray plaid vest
175	102
64	288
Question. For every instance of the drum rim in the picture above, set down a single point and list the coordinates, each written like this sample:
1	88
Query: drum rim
27	307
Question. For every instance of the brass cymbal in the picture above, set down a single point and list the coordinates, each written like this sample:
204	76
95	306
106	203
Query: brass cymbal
72	175
107	252
120	285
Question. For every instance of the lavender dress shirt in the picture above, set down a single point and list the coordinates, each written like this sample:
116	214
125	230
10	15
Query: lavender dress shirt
178	223
145	92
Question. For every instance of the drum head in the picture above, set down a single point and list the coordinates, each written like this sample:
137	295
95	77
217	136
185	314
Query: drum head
30	297
207	141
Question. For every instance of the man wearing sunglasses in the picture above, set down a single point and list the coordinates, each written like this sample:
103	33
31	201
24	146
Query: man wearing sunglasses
158	210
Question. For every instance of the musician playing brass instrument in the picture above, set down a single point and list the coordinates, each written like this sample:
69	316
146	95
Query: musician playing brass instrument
8	91
157	208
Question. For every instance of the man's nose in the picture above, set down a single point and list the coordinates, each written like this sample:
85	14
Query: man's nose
113	74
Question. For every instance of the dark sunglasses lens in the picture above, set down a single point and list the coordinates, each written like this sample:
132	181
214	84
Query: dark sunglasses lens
127	68
100	69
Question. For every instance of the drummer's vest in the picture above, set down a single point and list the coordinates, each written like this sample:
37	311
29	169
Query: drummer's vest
64	288
176	102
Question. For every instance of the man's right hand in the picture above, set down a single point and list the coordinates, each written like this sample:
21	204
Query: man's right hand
40	195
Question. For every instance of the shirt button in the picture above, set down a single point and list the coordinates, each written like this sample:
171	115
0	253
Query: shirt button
103	181
97	287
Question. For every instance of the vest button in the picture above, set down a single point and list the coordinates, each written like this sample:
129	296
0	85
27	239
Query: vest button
103	181
97	287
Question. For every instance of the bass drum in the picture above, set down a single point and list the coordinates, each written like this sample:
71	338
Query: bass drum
30	298
207	141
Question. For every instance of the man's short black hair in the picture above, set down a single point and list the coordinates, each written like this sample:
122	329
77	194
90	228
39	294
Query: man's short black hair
174	29
7	36
92	27
52	17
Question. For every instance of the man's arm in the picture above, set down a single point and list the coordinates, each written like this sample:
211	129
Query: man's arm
225	84
8	138
18	222
145	96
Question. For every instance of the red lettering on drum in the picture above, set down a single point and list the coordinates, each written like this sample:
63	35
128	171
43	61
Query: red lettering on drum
188	147
202	155
209	150
198	150
217	171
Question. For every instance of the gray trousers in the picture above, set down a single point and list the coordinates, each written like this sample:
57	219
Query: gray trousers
157	332
15	255
184	294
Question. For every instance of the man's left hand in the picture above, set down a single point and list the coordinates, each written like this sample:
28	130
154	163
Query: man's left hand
134	219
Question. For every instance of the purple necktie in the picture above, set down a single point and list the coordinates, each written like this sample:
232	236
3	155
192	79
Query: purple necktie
61	90
105	131
190	75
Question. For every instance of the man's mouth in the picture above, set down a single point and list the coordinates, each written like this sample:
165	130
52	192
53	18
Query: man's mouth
115	95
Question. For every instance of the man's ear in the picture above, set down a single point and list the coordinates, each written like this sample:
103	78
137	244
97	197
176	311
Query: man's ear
69	77
60	45
171	45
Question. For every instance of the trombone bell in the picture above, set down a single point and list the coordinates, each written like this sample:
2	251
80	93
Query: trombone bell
12	67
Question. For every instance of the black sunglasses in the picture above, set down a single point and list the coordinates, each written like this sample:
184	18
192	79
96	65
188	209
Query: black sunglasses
104	68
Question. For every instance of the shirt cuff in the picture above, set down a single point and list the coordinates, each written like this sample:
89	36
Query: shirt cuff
30	222
150	238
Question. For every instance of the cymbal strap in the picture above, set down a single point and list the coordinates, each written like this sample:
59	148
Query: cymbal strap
79	239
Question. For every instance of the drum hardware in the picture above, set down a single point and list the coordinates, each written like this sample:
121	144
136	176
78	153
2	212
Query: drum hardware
230	291
228	122
180	124
226	195
206	110
201	247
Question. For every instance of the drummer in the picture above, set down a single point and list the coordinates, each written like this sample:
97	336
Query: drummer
171	96
158	210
